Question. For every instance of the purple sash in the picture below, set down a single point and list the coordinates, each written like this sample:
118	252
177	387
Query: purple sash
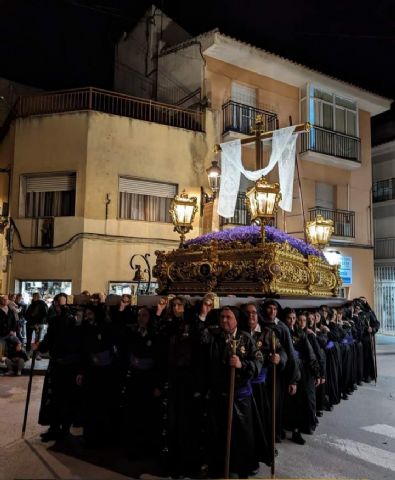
243	392
329	345
261	378
296	354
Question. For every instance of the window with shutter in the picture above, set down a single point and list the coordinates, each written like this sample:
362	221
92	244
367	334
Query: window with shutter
48	195
145	200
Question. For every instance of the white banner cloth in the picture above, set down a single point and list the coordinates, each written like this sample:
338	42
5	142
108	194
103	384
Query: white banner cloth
283	153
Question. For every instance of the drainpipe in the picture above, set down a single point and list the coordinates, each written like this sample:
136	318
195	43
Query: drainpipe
348	196
107	202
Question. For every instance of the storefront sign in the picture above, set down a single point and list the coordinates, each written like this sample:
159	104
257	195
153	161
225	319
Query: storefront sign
346	270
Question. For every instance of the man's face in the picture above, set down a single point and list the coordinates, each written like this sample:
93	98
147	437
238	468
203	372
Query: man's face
178	308
125	299
35	297
302	321
252	315
62	300
4	300
290	320
271	312
227	321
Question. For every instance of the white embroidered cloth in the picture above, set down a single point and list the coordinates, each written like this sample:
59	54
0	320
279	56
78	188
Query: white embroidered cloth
283	153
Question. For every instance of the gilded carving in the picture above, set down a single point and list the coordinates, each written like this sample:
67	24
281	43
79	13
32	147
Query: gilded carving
245	269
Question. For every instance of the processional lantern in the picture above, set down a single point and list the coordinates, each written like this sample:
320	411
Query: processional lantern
319	231
182	211
262	201
333	256
214	174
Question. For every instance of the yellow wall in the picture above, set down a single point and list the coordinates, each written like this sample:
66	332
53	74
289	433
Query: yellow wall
276	96
362	271
100	148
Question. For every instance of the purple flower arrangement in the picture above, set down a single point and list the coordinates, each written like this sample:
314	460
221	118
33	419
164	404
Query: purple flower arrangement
252	234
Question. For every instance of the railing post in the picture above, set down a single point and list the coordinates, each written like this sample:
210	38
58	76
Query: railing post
90	99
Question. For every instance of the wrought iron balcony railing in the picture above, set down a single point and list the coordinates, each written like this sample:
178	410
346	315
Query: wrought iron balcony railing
384	248
328	142
384	190
91	98
240	118
242	215
343	220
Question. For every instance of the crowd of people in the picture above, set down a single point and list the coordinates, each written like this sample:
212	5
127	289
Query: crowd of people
158	379
19	324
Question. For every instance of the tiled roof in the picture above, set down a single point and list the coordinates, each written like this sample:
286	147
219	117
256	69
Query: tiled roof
214	32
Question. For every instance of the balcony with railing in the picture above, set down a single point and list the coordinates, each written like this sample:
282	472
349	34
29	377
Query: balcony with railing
384	190
327	147
343	220
384	248
90	98
242	215
240	118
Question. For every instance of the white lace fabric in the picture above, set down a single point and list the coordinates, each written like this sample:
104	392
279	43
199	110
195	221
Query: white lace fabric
283	153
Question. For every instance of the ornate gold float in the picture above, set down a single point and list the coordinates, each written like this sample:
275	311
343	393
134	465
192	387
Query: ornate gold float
243	268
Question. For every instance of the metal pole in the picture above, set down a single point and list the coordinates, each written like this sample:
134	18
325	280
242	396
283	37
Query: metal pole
231	398
273	466
29	389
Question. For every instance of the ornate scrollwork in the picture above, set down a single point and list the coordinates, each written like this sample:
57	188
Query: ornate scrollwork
243	268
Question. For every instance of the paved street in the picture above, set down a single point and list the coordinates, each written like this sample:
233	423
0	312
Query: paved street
356	440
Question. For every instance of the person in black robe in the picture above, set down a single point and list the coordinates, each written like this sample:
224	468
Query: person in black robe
98	377
61	395
300	407
247	434
306	323
179	388
346	354
358	329
371	327
335	363
322	339
262	395
286	381
140	410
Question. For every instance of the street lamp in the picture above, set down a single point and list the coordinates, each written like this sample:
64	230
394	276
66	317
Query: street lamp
319	231
262	201
214	174
182	211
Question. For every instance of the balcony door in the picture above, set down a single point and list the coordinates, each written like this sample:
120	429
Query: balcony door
244	107
324	195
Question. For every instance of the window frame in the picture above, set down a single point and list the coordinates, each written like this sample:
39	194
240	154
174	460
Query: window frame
142	179
22	192
310	105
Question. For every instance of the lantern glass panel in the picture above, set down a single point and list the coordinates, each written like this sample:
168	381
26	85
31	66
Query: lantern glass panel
184	213
253	203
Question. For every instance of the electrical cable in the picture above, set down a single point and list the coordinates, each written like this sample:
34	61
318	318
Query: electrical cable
81	235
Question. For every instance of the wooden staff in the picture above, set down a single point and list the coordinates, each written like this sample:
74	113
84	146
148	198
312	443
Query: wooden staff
273	466
373	347
231	398
29	389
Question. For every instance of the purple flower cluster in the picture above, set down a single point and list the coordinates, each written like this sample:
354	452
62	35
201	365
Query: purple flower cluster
252	234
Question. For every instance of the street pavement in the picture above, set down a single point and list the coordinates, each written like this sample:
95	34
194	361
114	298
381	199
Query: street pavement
355	441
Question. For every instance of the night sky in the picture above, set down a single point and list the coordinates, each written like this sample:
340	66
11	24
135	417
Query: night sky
55	44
